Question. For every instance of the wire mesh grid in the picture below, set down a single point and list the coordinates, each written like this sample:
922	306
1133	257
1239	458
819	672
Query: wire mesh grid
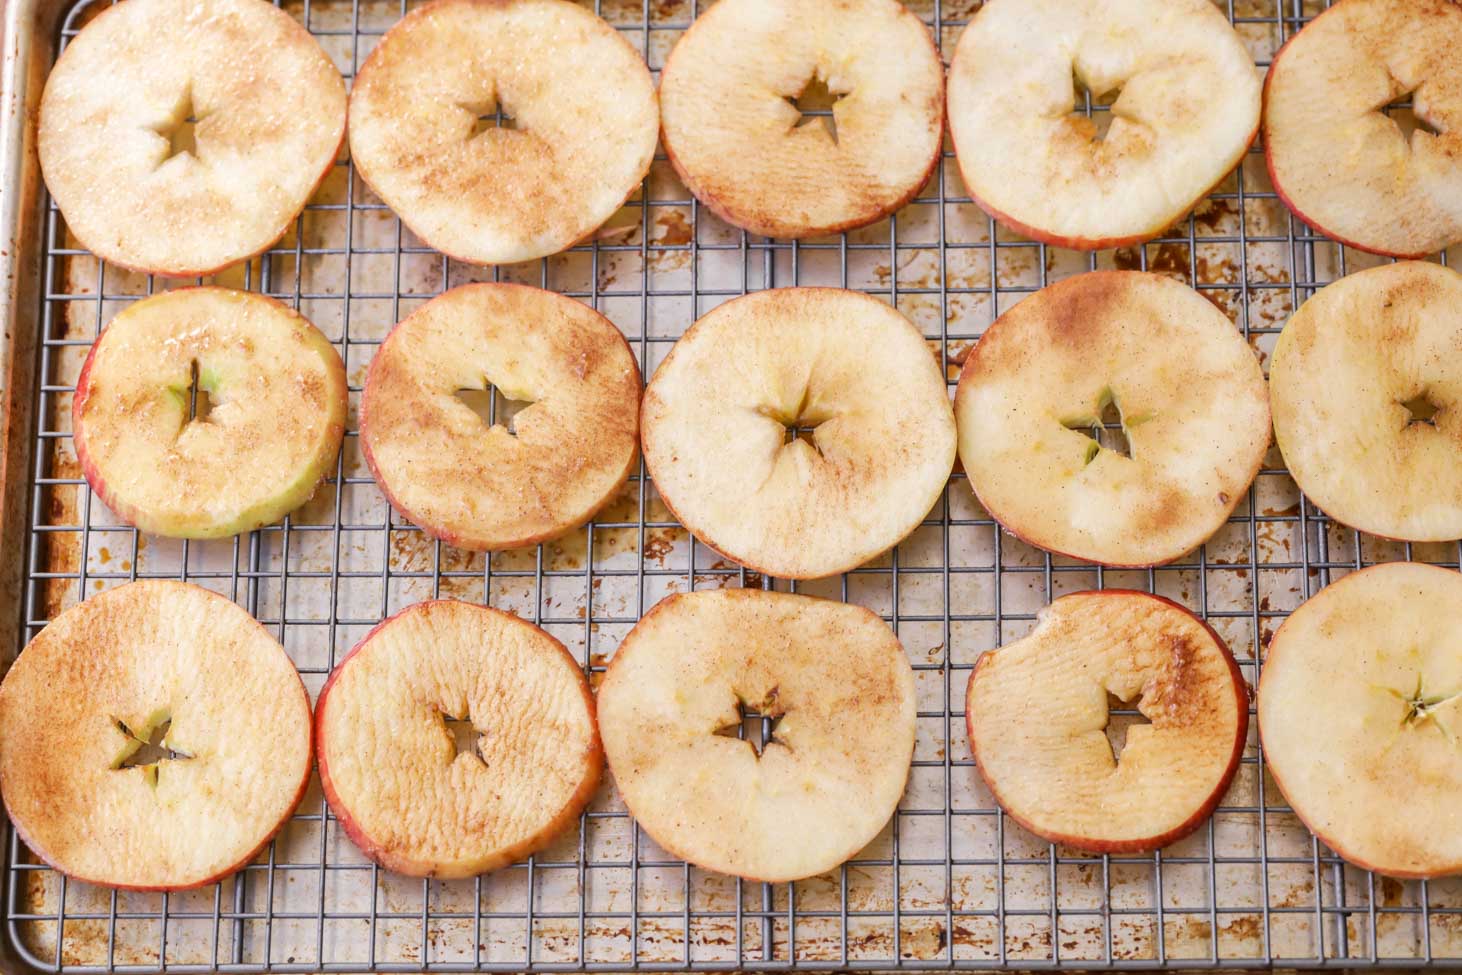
951	882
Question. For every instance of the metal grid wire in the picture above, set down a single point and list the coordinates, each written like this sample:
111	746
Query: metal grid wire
951	883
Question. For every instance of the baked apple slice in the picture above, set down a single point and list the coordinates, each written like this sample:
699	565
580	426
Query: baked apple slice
181	136
1183	96
153	737
800	431
830	695
1115	416
425	129
1336	159
501	482
1360	717
207	412
456	739
1037	711
730	94
1367	392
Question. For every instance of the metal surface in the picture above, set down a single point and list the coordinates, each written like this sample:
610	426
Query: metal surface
951	883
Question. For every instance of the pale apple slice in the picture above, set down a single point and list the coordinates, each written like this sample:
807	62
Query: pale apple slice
584	125
206	412
144	187
800	431
1360	717
729	97
406	791
835	693
1037	711
489	487
1116	345
1366	384
1187	111
86	705
1334	156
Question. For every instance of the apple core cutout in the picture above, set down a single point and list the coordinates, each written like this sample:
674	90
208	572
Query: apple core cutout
465	735
148	747
756	724
180	130
817	103
493	406
1122	716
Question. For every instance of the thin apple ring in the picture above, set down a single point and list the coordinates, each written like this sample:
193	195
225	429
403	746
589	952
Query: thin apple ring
208	412
800	431
181	136
1187	111
1109	347
585	120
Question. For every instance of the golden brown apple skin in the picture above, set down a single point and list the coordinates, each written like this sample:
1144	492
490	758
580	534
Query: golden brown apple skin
1241	692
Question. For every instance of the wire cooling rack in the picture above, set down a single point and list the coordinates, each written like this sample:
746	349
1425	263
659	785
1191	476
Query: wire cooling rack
951	882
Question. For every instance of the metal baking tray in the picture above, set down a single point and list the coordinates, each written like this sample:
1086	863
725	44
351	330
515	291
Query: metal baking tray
951	883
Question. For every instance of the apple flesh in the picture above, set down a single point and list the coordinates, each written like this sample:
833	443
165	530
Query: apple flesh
1367	675
1037	713
1143	349
585	124
1334	156
391	771
106	675
1187	111
1367	400
830	678
800	431
729	94
278	399
113	137
488	487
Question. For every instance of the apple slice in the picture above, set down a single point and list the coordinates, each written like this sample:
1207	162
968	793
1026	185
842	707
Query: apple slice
1187	111
1045	389
1360	717
1367	393
424	130
153	737
181	136
517	481
730	92
206	412
412	795
835	695
1334	156
1037	714
800	431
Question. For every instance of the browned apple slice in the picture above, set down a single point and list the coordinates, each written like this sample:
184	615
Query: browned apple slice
1360	716
456	739
1336	159
1037	711
206	412
181	136
425	129
1115	416
153	737
730	94
800	431
1182	98
517	480
1367	388
835	696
